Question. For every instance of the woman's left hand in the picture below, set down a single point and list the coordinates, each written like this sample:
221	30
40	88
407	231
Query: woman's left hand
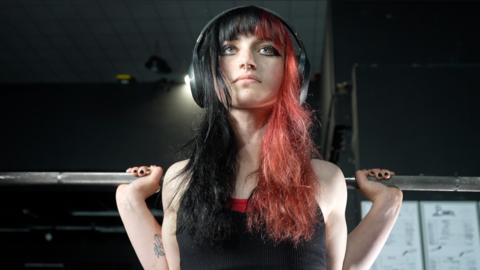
368	238
373	190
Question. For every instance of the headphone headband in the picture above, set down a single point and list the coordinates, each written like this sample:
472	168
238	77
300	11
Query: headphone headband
303	63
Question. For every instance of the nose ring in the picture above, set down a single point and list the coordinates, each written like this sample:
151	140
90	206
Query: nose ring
249	66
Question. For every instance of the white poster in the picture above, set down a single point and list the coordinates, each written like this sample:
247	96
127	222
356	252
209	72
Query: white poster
450	235
403	249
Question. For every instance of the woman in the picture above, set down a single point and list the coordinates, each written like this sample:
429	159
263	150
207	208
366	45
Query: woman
251	195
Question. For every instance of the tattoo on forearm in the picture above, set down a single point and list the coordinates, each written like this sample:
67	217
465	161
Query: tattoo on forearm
158	246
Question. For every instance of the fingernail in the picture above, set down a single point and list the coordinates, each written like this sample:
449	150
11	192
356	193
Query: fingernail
135	171
148	170
142	172
379	175
386	173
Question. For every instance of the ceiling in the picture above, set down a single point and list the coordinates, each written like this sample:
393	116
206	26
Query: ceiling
48	41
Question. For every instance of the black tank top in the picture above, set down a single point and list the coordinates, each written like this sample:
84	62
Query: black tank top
247	250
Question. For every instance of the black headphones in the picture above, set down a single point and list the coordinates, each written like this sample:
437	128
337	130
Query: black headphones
303	63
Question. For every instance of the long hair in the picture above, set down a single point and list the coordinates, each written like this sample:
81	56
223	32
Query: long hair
283	205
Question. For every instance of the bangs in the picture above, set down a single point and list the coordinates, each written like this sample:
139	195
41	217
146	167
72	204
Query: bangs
251	21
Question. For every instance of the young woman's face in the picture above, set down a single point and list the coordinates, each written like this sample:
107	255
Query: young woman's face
253	68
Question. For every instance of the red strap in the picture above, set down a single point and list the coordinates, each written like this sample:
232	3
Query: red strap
239	205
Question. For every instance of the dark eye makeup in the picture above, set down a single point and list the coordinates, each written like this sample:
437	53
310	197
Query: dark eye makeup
269	50
227	50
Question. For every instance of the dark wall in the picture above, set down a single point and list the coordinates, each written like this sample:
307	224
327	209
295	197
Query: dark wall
423	122
81	127
416	82
98	127
406	32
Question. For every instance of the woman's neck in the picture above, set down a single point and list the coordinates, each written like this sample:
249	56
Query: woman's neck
249	126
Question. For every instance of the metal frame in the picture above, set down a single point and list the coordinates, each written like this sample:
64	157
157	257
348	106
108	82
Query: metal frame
403	182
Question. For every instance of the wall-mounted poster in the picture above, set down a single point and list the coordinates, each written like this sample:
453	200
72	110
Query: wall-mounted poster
450	235
403	249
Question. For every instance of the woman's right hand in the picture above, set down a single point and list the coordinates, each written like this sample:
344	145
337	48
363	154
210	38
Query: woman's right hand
145	186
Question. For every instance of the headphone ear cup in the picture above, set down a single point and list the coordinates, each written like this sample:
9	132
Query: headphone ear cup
193	85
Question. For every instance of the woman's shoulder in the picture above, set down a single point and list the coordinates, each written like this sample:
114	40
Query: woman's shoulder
326	171
333	188
174	174
176	168
173	179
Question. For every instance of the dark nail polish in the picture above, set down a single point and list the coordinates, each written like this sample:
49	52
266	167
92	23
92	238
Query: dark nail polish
142	172
135	171
386	173
379	175
148	170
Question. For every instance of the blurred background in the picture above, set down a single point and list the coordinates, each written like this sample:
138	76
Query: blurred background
99	86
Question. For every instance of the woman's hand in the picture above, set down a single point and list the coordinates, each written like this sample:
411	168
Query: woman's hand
373	190
145	186
367	239
142	227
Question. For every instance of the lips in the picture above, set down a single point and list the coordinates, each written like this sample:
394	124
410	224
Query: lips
247	78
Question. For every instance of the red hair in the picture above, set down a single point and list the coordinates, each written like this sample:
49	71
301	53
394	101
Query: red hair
284	201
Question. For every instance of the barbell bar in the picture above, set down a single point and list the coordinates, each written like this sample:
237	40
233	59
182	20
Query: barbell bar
403	182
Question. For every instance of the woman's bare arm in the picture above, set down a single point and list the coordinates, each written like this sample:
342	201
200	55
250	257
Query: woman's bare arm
368	238
155	246
332	201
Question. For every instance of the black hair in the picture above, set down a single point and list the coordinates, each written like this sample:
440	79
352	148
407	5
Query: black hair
210	174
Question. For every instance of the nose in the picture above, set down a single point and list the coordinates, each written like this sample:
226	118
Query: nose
248	66
247	61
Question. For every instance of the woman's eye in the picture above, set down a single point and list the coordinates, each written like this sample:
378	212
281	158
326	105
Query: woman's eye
269	50
228	50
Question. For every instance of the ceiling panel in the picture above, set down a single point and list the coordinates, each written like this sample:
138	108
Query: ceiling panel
118	54
109	41
6	29
95	54
79	41
176	26
195	9
51	55
133	41
59	66
89	10
304	8
123	27
150	26
99	26
37	11
168	9
39	42
71	55
280	7
7	56
15	42
142	10
28	29
51	28
18	67
14	12
84	41
62	42
116	10
89	77
75	27
28	56
63	11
